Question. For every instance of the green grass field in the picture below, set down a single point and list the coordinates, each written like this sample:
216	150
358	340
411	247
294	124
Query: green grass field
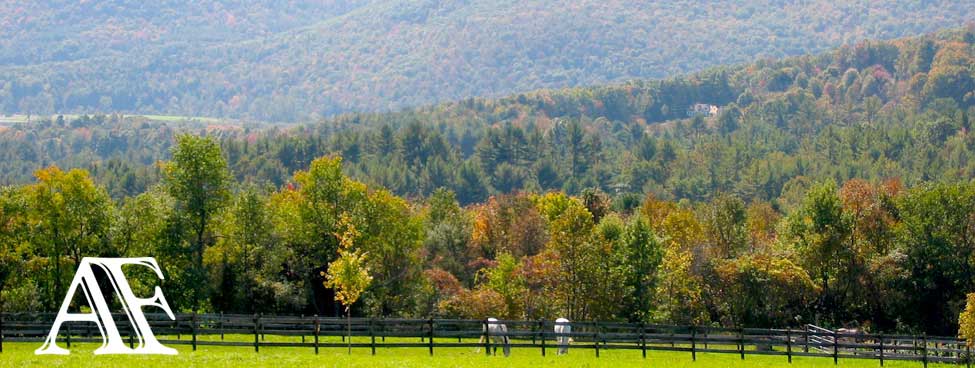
22	355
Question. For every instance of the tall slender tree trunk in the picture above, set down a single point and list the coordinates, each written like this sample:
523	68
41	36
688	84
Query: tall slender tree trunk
198	259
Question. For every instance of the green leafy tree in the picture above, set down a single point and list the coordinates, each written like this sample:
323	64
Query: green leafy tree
141	225
448	231
389	232
643	254
472	183
15	251
726	226
198	180
570	236
937	234
589	277
72	219
506	281
820	231
142	229
761	290
393	236
242	253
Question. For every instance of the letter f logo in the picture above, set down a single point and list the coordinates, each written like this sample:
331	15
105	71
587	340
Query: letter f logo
101	315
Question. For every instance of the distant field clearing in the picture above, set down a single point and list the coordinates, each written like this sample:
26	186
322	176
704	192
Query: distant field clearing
21	118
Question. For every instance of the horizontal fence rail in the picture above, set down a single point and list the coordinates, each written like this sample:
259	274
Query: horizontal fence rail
380	333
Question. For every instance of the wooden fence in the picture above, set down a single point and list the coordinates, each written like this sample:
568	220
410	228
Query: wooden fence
431	334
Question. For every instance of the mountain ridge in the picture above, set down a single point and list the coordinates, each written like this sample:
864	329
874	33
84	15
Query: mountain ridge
391	55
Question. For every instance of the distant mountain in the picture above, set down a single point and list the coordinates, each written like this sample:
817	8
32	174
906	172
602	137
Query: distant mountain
294	60
900	110
37	32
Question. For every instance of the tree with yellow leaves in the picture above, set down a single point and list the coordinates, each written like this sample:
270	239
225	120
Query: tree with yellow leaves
679	291
966	321
71	218
349	274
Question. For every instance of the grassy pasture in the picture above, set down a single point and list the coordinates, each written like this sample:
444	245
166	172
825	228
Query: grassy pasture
21	354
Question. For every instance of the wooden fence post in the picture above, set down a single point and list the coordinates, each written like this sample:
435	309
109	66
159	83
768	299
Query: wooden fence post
788	344
881	336
968	355
193	328
257	320
430	322
595	339
707	331
741	342
693	343
222	332
69	336
131	336
924	349
643	339
372	336
534	333
805	335
487	338
836	355
672	337
1	332
318	331
541	330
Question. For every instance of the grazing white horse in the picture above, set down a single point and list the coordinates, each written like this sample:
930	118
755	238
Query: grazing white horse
499	336
563	331
847	338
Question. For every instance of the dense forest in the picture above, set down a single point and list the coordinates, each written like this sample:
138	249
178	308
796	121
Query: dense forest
834	189
875	110
294	60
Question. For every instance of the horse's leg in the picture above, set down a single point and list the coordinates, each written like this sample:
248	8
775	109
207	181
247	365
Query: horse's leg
480	342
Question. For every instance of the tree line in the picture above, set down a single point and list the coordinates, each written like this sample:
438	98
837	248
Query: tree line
872	254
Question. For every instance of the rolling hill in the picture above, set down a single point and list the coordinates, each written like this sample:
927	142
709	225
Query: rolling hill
897	110
297	60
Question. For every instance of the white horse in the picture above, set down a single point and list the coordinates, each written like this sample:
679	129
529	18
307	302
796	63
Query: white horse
563	331
499	336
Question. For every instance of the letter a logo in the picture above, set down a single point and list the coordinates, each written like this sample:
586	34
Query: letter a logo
101	315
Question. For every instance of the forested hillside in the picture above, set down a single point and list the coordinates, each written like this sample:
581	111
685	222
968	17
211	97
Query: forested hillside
68	30
874	110
835	189
286	61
